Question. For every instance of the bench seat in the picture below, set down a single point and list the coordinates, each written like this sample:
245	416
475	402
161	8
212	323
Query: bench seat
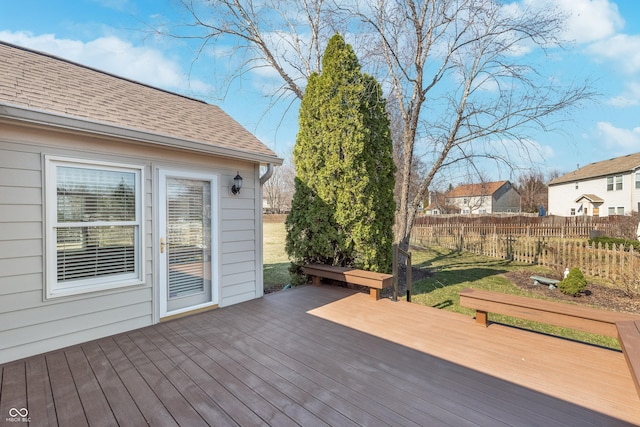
587	319
539	280
623	326
374	281
629	338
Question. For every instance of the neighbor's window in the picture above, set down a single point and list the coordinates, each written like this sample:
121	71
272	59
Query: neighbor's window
620	210
573	211
611	211
93	225
637	180
619	182
614	183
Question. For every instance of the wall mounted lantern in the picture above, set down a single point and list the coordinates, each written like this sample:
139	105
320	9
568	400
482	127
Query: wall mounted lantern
237	184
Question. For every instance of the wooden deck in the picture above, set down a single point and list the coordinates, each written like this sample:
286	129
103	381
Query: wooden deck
323	356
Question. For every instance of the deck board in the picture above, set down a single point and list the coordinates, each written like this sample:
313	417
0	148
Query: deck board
324	356
39	395
94	403
69	408
120	401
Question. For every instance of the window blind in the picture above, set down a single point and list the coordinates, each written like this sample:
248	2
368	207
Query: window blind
188	235
96	223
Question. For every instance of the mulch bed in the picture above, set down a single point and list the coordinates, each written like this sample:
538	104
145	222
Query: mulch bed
595	295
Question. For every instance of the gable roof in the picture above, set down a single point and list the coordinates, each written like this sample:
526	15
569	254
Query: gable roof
617	165
482	189
41	88
593	198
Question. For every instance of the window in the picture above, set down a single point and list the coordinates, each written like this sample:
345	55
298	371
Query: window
577	186
616	210
465	201
94	226
614	183
573	211
637	180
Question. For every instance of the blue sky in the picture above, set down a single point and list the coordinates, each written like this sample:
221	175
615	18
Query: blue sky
111	35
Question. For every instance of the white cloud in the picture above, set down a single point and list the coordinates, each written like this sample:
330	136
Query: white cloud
619	139
630	97
114	55
623	49
588	20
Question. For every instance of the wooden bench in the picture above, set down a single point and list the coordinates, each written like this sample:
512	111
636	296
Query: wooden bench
374	281
539	280
629	338
585	319
625	327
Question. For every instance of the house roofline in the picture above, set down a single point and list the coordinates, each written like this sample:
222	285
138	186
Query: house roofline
97	70
48	119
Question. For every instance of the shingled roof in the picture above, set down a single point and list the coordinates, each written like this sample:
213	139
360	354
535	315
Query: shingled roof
618	165
470	190
36	82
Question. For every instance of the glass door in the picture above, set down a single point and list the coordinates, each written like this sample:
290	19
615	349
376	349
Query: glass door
186	244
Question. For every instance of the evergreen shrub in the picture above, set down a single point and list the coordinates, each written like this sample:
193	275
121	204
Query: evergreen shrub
574	283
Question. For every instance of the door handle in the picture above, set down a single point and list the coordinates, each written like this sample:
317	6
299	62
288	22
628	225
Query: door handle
162	245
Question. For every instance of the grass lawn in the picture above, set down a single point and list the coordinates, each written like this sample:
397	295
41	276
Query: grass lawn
276	262
455	271
452	272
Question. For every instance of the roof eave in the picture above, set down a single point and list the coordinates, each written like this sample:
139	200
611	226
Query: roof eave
44	118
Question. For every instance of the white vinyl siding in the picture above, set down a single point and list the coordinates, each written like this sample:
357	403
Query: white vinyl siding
29	322
94	226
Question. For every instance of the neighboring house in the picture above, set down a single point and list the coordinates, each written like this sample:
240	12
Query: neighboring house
117	205
484	198
609	187
437	204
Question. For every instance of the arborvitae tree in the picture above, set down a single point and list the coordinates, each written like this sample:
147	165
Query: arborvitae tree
343	208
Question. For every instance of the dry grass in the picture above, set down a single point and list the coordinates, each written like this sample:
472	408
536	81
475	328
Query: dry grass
276	261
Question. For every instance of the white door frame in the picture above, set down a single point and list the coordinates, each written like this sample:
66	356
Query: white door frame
163	174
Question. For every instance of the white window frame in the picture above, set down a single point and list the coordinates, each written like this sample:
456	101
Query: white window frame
53	288
637	180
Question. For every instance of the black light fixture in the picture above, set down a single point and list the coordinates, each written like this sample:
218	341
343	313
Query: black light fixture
237	184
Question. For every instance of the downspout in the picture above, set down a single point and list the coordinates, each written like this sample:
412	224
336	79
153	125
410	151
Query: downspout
264	178
260	258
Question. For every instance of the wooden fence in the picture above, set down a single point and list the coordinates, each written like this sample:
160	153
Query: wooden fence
518	225
532	230
615	264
